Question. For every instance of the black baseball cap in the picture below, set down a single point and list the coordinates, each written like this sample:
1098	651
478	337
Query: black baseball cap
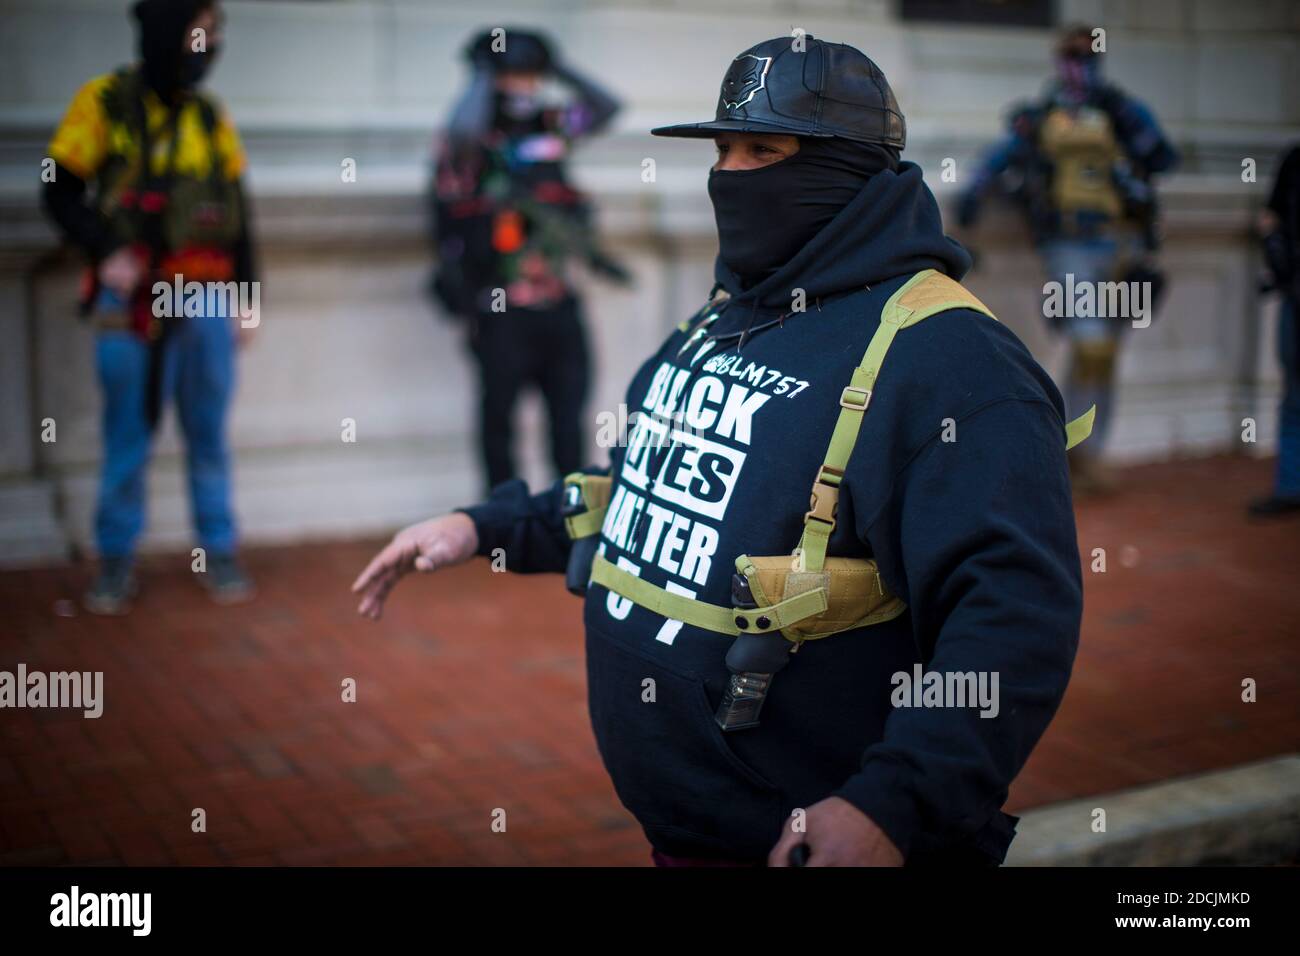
805	87
524	51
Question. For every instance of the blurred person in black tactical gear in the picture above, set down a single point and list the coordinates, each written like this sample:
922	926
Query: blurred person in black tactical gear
508	228
1079	162
1279	228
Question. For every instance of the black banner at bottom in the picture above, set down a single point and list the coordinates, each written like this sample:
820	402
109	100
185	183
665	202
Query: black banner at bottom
234	905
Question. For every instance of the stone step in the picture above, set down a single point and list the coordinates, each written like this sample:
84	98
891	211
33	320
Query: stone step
1243	816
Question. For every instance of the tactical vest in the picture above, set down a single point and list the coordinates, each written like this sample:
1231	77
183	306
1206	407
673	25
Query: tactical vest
177	208
1083	151
804	595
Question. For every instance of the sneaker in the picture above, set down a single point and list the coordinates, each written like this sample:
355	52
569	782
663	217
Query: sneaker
1274	506
226	581
114	589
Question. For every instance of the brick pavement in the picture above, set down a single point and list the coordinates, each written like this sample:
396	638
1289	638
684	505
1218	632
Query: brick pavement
239	711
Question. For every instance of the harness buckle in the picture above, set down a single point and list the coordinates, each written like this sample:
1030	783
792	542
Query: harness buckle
823	504
855	398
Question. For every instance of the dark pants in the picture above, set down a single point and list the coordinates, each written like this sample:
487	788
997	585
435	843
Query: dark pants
519	348
1288	445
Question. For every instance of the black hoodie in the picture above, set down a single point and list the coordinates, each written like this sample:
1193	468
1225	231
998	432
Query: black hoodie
976	534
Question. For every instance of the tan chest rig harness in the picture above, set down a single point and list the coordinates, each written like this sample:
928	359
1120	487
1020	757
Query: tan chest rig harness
181	206
1083	150
780	601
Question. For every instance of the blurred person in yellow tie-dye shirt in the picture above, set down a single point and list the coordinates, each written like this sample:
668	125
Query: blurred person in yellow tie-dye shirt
170	287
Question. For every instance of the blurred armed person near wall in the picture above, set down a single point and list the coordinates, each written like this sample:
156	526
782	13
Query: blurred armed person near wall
1279	226
1079	163
147	184
508	226
756	653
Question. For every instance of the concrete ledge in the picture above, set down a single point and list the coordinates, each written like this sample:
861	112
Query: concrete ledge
31	534
1245	816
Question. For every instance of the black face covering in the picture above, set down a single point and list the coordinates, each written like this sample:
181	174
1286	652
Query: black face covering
766	215
194	66
168	63
517	114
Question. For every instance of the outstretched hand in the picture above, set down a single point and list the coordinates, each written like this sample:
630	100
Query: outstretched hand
426	546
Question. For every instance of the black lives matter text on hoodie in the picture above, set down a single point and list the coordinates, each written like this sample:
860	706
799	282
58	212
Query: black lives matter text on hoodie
976	533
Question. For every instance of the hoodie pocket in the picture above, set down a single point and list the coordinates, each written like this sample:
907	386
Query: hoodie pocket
668	759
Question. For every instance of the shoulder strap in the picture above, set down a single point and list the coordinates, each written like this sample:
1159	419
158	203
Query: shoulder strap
149	223
1079	429
208	116
925	294
119	94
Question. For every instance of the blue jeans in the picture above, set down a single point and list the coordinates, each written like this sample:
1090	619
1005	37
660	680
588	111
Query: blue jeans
1288	442
1094	340
199	373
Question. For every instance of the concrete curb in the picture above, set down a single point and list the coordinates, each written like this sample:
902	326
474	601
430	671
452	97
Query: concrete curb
1244	816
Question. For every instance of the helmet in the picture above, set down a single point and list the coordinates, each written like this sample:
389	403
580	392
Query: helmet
825	89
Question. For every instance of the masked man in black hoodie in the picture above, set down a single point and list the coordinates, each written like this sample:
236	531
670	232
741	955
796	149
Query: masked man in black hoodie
938	550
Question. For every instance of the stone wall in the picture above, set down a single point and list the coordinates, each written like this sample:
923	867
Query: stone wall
348	332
